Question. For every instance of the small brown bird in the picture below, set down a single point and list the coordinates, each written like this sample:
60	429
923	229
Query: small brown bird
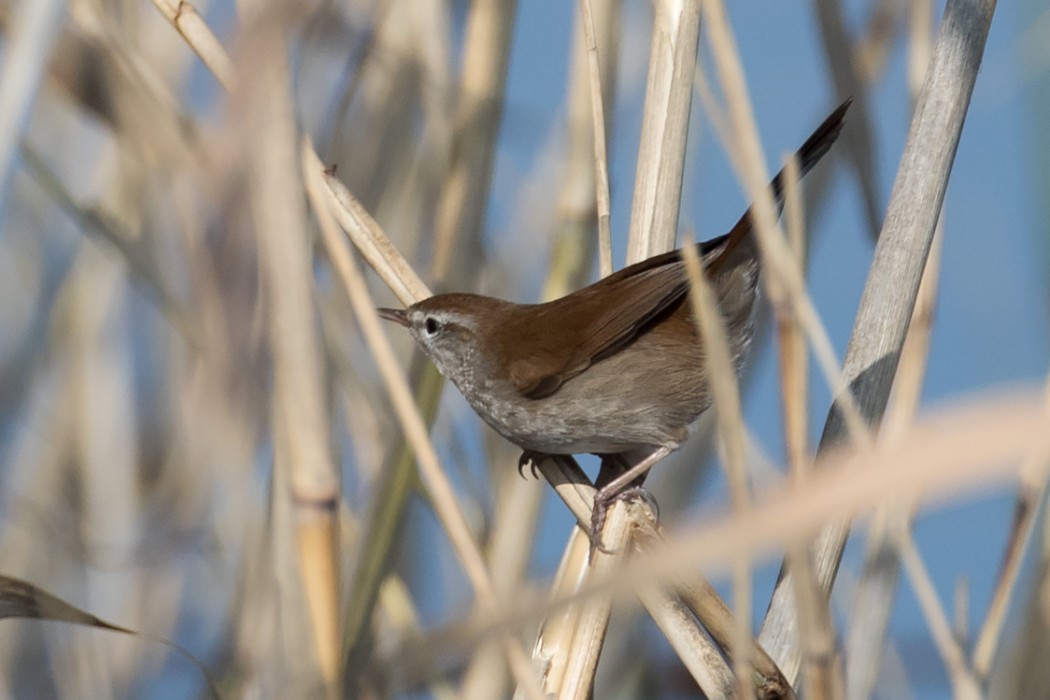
617	368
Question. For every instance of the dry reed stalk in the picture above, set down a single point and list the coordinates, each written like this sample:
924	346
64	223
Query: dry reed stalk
574	242
665	127
873	600
183	16
725	393
550	652
463	202
593	620
557	633
718	621
300	418
563	656
821	670
709	670
700	655
557	641
794	364
601	166
570	641
369	238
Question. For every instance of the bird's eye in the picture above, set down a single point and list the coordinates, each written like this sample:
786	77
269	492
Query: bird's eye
431	325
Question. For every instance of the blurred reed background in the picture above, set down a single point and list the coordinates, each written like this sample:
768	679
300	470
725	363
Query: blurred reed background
202	432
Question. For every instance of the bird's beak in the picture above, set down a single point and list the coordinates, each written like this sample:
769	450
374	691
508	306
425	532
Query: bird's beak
398	316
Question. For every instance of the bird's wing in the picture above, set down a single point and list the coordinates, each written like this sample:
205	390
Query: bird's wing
593	323
586	326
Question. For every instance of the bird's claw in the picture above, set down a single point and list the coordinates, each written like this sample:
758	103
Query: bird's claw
532	459
602	502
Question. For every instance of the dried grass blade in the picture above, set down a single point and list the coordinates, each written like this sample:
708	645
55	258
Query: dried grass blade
20	599
726	395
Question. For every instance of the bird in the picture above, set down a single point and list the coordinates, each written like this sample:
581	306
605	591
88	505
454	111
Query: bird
617	368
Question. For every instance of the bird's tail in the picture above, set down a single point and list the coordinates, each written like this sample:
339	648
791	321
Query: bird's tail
807	155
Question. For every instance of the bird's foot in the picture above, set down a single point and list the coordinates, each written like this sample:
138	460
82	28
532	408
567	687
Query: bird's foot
603	500
532	459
